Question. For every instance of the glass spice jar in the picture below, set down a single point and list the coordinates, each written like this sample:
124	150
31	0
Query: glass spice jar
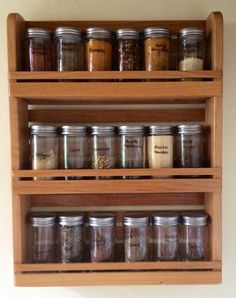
102	237
38	50
70	238
166	236
127	50
69	49
74	146
156	48
43	237
136	247
98	47
131	147
189	146
44	147
191	49
160	146
194	234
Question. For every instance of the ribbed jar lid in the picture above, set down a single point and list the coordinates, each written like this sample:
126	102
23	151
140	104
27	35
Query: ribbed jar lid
189	129
71	219
101	219
98	33
191	31
73	130
43	129
38	32
196	219
131	129
156	32
127	33
134	219
42	219
61	31
165	219
160	130
103	130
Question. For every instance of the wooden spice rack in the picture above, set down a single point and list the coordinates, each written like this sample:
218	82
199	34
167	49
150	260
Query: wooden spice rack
168	99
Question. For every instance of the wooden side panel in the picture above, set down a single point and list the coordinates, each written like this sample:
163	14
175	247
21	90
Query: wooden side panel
15	32
19	133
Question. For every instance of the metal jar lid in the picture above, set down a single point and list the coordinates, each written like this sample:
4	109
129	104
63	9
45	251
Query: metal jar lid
131	129
189	129
127	33
165	219
43	130
98	33
71	219
38	32
61	31
73	130
134	219
103	130
102	219
160	130
156	32
191	31
196	219
42	219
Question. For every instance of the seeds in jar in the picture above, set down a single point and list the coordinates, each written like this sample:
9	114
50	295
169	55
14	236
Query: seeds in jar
191	64
103	162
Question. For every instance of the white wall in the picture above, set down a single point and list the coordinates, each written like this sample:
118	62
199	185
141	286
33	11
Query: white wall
128	9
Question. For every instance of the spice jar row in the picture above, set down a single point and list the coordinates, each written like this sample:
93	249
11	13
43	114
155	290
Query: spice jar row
166	236
99	49
104	147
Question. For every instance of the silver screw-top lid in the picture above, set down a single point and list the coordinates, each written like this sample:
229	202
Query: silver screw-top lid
131	129
103	130
42	219
127	33
165	219
101	219
134	219
38	32
156	32
189	129
191	32
43	130
62	31
74	130
196	219
160	130
71	219
98	33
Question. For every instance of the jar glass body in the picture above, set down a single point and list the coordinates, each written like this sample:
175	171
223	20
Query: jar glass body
189	150
43	243
160	151
136	247
191	52
166	242
194	242
69	49
71	243
102	243
127	54
156	53
98	54
44	151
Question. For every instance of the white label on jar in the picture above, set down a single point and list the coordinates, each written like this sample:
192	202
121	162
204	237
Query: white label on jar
160	151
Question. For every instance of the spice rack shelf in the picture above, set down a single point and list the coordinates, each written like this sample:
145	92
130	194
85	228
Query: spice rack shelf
85	97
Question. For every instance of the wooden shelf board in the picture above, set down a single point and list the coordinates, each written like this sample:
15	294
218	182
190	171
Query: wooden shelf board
116	278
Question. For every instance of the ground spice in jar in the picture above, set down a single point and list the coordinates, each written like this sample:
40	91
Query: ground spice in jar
191	64
98	49
156	48
127	50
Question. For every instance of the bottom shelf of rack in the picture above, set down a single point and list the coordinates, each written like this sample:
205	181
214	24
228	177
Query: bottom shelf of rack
119	273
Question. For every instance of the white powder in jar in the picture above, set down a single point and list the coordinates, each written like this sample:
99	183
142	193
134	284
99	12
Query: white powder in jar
191	64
